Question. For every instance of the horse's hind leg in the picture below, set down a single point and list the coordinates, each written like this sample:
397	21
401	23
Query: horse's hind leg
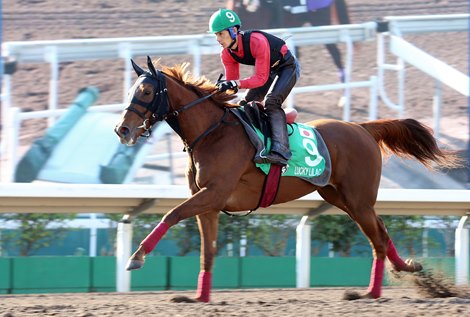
382	246
397	262
360	208
375	231
372	226
367	226
356	179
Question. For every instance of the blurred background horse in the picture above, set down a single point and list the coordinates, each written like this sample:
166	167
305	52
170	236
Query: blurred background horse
269	14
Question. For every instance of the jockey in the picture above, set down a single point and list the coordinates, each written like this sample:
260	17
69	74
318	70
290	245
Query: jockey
275	68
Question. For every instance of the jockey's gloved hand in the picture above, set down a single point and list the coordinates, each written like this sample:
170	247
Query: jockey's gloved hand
225	85
242	102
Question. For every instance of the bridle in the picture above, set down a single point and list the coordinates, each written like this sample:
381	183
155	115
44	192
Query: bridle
159	108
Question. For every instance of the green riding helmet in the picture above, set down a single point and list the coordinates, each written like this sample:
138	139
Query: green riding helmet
222	20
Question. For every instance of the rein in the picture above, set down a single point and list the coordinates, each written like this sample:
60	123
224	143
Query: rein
189	105
189	148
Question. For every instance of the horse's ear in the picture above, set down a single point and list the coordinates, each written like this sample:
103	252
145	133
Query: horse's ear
139	71
151	67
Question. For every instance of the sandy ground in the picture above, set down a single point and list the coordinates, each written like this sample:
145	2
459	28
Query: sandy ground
396	302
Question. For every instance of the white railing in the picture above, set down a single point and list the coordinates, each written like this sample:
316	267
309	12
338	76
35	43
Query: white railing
407	52
371	84
413	24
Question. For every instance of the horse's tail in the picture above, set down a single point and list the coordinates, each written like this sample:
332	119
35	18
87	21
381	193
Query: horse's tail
412	139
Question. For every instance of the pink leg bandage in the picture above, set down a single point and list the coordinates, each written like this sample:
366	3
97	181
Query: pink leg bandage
393	256
204	284
376	277
154	237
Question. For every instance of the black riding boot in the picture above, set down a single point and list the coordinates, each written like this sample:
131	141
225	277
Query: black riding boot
280	152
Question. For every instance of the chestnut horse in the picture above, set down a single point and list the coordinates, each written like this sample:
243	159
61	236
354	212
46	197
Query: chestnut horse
222	175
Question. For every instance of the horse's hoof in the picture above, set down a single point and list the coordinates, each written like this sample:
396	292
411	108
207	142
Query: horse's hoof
137	260
203	299
183	299
134	265
413	266
352	295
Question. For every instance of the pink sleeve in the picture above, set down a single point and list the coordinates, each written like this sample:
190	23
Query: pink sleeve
231	66
261	52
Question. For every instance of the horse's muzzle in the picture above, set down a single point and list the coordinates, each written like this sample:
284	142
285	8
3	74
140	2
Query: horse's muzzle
123	133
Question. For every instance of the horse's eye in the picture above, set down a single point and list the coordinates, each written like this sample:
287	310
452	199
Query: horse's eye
147	92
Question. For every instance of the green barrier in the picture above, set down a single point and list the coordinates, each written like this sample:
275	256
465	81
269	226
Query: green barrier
98	274
226	272
440	266
51	274
267	271
103	274
184	272
153	276
340	271
5	276
32	162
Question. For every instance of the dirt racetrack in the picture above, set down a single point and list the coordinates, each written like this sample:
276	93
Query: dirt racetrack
328	302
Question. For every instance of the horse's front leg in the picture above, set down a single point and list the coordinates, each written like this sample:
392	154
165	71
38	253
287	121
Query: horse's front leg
208	226
202	202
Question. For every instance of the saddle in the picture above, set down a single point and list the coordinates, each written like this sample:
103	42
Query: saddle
252	116
255	114
256	124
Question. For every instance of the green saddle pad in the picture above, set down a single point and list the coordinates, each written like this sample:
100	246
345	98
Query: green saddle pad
310	158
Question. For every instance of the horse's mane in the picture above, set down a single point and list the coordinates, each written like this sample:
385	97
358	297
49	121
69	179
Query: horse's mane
202	85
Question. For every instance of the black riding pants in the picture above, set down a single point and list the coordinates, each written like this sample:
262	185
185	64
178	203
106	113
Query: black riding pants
281	81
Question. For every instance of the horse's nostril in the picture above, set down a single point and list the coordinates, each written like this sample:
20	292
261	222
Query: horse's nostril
122	131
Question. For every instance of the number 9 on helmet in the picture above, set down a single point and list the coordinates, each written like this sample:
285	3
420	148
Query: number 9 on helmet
223	19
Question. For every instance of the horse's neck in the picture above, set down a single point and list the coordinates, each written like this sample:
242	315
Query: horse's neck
194	121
